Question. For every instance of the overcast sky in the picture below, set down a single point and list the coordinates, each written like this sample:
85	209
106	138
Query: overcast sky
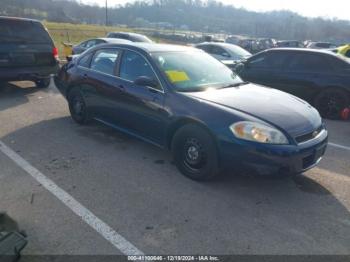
334	8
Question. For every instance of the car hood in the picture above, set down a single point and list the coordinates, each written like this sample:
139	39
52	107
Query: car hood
275	107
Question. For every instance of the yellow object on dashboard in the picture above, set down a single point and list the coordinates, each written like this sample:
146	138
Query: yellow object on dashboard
177	76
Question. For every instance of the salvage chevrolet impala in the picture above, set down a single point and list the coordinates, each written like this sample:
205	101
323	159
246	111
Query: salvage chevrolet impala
182	99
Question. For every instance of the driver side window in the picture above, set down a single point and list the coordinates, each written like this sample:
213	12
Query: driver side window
133	66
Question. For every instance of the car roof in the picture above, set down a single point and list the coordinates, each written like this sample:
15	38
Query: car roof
126	33
18	19
216	43
291	49
149	47
287	41
114	40
300	50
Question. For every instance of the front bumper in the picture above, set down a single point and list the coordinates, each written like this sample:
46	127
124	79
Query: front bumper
270	159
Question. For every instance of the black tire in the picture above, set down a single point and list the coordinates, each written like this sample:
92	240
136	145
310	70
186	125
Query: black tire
77	107
331	101
43	83
195	153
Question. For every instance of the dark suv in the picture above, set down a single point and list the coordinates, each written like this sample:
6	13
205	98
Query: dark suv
27	51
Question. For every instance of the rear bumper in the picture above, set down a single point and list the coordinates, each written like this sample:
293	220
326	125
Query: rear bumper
274	159
27	73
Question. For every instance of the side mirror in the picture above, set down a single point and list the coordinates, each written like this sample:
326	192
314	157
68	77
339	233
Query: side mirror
239	68
246	64
146	81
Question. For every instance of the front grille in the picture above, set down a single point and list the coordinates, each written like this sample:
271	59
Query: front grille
309	136
310	160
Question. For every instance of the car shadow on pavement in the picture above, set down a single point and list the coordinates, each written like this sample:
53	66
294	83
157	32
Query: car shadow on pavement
292	215
13	94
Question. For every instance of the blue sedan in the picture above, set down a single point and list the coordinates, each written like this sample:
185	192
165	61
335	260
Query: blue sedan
184	100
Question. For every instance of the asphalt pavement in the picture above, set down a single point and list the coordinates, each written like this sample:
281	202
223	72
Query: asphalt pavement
127	193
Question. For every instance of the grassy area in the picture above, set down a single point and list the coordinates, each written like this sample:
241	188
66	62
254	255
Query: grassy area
76	33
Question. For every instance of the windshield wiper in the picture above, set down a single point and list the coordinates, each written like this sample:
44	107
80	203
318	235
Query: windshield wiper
235	85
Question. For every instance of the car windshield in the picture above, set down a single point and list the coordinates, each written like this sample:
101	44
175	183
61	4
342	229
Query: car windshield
191	71
238	52
14	31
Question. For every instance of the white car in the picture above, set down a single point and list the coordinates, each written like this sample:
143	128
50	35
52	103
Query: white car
228	54
320	45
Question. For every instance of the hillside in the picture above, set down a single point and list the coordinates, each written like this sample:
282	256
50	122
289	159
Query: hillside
206	16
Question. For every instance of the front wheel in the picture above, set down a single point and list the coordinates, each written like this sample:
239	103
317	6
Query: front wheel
195	153
331	102
77	107
43	83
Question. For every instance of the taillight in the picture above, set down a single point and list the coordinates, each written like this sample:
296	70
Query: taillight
55	53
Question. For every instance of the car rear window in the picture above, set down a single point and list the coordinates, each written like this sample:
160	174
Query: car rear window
13	31
120	36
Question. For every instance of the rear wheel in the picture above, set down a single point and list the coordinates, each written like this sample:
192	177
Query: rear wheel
43	83
331	101
77	107
195	153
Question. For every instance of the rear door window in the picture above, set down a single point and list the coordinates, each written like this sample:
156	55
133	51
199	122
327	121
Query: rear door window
309	62
17	31
273	60
104	61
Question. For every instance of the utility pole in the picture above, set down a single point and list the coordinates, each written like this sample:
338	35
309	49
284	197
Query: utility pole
106	13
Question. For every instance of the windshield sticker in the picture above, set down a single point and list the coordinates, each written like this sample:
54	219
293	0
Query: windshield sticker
177	76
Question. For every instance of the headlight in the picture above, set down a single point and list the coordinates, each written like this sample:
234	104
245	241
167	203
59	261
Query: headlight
258	132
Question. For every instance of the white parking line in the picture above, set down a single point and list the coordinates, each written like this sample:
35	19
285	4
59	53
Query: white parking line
86	215
339	146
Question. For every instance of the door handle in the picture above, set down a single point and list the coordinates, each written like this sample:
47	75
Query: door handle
122	88
85	76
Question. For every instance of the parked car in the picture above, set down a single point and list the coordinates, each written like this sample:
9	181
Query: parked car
321	45
133	37
82	47
289	43
183	99
228	54
251	45
320	77
27	51
266	43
